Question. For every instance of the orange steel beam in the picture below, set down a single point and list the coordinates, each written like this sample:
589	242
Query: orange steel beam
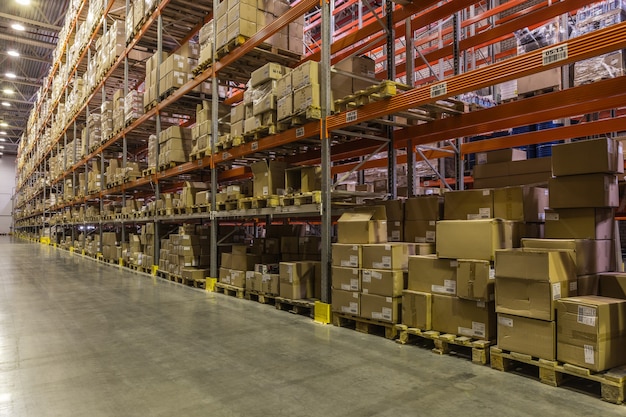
234	174
601	95
352	149
586	46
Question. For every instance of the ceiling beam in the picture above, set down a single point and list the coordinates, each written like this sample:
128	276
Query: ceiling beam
16	100
31	22
28	57
27	41
26	82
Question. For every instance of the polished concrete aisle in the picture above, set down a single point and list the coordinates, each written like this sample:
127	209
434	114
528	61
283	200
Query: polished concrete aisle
78	338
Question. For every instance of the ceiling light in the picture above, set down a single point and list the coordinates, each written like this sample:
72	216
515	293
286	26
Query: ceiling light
3	133
10	75
1	146
13	53
4	124
1	154
23	2
17	26
3	140
8	91
6	104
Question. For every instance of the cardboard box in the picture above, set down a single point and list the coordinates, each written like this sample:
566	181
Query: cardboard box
269	177
270	284
306	74
504	169
543	80
385	256
423	208
580	191
238	278
380	308
420	231
603	155
347	279
430	274
473	239
463	317
590	256
612	284
416	309
394	210
475	280
254	281
382	282
532	337
537	178
297	280
501	155
521	203
468	205
306	97
268	72
535	264
368	225
591	332
347	302
588	285
346	255
395	231
580	223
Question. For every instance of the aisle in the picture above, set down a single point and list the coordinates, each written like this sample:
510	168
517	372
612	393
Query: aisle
78	338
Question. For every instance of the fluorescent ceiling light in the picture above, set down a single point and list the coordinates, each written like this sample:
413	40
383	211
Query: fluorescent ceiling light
17	26
4	124
10	75
3	133
23	2
1	154
3	140
1	146
8	91
6	104
13	53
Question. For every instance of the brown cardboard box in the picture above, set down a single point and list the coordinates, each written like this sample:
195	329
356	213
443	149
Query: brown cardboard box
386	256
224	275
588	285
501	155
580	223
346	255
430	274
416	309
612	284
468	205
422	248
503	169
395	231
269	177
346	279
289	244
270	284
463	317
382	282
591	332
420	231
532	337
521	203
268	72
347	302
297	280
380	308
588	190
590	256
475	280
368	225
528	282
394	210
254	281
423	208
603	155
537	178
543	80
473	239
226	260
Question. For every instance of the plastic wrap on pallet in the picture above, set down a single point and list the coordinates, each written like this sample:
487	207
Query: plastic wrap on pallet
529	40
600	67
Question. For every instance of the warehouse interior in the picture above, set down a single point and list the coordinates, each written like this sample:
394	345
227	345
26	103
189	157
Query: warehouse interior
434	190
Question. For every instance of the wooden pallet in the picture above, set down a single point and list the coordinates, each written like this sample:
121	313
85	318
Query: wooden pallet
228	205
167	166
167	93
445	343
534	93
260	297
300	118
149	171
200	283
612	382
258	202
300	199
364	325
230	46
304	307
150	106
229	290
202	66
258	133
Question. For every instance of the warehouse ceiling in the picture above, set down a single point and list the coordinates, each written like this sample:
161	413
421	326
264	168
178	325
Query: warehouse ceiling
30	29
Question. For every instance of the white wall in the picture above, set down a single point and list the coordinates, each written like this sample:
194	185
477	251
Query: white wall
7	188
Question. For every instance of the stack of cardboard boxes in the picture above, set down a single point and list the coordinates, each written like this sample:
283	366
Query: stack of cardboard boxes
509	167
201	131
269	178
133	106
421	215
118	110
110	248
185	249
235	264
260	98
175	145
265	278
106	119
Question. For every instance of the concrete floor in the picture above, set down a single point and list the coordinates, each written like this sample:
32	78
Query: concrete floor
78	338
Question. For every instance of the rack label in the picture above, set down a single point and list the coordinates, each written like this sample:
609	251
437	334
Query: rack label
225	155
438	90
351	116
299	132
199	162
556	54
254	146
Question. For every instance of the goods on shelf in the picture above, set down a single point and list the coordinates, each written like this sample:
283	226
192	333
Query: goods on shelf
175	145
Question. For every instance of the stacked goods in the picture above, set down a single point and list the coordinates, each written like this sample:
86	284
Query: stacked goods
284	96
110	174
201	131
269	178
153	155
238	20
262	96
175	70
175	145
106	120
421	215
189	193
137	12
305	82
110	248
205	39
529	40
94	178
508	167
352	74
303	180
151	93
93	127
591	18
133	106
189	248
118	110
265	278
235	264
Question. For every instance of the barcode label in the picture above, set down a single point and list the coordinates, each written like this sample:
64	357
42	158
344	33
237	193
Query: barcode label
254	146
351	116
556	54
299	132
438	90
225	155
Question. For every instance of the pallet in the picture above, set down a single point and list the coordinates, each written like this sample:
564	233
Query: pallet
364	325
302	307
167	93
260	297
229	290
313	197
200	283
148	172
445	343
553	373
300	118
202	66
534	93
167	166
230	46
150	106
258	202
256	134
